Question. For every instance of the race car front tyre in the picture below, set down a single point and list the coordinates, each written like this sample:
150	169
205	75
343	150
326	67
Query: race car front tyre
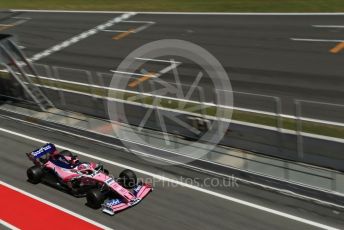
34	174
128	179
95	198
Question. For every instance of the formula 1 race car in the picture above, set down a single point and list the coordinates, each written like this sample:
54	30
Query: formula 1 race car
66	172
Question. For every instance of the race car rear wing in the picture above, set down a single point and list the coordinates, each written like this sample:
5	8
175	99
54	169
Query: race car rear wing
38	153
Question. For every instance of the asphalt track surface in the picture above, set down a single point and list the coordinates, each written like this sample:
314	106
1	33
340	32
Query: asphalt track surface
256	51
168	207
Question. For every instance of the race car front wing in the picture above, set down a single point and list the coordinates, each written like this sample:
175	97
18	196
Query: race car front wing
112	206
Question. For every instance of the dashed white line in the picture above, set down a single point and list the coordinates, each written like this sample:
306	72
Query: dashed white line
186	185
81	36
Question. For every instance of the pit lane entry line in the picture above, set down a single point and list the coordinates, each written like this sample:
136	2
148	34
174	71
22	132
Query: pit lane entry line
186	185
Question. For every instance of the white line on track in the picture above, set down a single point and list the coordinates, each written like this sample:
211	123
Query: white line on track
173	65
8	225
165	179
143	27
182	13
54	205
157	60
21	21
118	31
145	22
26	18
139	29
159	74
81	36
316	40
328	26
128	73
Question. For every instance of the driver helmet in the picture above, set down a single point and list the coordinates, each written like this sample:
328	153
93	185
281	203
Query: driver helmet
83	167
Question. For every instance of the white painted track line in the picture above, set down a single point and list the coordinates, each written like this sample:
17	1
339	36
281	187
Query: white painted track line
7	225
26	18
182	13
143	27
316	40
118	31
157	60
139	22
54	205
192	187
328	26
127	73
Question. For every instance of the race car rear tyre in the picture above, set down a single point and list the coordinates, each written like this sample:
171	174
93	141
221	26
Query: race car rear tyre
95	198
34	174
66	153
128	178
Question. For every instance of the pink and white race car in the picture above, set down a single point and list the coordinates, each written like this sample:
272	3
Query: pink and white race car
65	171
